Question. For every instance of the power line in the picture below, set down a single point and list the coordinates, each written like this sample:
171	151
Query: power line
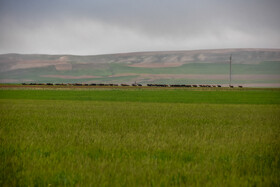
230	70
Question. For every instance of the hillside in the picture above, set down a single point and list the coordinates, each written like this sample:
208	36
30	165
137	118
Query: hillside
251	67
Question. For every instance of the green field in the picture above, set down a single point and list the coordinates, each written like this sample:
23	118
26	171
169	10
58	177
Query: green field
110	69
140	137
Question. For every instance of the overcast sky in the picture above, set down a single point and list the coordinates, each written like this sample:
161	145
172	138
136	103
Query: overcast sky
88	27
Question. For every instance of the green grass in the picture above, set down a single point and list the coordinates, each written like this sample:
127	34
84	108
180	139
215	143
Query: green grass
139	138
192	68
204	68
210	96
210	81
35	74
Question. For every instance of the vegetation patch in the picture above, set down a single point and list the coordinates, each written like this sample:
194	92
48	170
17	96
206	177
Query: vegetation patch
139	137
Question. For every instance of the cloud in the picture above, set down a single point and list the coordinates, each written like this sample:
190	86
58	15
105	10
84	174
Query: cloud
97	27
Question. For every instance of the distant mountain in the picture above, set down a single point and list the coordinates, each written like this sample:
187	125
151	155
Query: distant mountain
250	67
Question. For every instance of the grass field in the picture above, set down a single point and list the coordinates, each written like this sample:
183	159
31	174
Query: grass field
105	74
140	137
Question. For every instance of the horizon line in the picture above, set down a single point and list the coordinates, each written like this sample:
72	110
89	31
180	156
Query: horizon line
137	52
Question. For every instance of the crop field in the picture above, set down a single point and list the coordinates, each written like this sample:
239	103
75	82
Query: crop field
139	137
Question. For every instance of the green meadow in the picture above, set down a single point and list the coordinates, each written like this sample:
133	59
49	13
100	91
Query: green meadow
107	71
140	137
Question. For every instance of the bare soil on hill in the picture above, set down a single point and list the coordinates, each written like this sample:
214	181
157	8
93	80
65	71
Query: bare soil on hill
156	65
71	77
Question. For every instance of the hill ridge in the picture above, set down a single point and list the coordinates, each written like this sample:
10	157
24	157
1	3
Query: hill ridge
144	67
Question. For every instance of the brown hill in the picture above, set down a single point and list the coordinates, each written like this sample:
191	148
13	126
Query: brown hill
143	67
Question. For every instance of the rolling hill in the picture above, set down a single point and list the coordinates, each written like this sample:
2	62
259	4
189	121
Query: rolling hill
250	67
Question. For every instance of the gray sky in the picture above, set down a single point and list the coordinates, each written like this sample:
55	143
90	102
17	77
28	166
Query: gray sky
88	27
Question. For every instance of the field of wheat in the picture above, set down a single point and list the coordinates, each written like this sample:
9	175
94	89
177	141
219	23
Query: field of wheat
139	137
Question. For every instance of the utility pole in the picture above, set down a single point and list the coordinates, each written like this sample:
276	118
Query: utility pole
230	70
